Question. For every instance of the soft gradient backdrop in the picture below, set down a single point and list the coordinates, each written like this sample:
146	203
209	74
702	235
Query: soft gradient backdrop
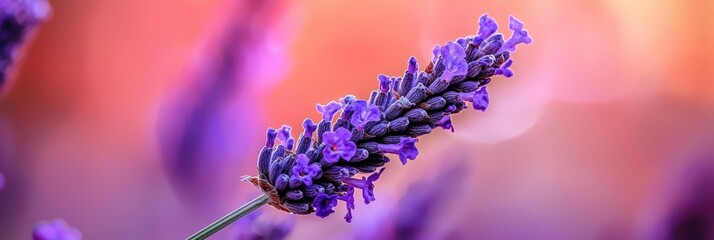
591	139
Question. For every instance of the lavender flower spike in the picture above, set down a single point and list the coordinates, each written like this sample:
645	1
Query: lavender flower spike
400	110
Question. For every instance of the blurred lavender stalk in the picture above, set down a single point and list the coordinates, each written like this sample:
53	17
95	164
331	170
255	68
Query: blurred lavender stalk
18	19
420	207
687	206
256	226
203	126
55	230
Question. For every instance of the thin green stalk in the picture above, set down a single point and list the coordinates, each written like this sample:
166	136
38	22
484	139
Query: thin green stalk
230	218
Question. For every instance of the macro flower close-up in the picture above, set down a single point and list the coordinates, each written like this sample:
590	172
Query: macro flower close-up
272	120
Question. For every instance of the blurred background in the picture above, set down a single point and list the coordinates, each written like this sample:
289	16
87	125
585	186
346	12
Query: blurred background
136	119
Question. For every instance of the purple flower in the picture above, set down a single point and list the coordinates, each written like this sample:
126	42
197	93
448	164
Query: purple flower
445	123
323	204
55	230
349	199
254	226
2	181
363	113
505	69
405	149
519	36
328	111
18	18
366	184
487	26
424	201
384	83
338	145
454	61
479	98
304	171
399	111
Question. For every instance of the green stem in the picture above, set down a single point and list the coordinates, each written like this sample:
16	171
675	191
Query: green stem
230	218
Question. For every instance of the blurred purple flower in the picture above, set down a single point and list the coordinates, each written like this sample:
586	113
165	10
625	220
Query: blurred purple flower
55	230
206	124
687	208
2	181
256	226
18	18
420	204
396	114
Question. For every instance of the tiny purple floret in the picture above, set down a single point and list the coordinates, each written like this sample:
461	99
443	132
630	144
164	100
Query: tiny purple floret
505	69
363	113
366	184
445	123
338	145
323	204
304	171
309	127
519	36
329	110
487	26
479	98
406	149
454	61
349	199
